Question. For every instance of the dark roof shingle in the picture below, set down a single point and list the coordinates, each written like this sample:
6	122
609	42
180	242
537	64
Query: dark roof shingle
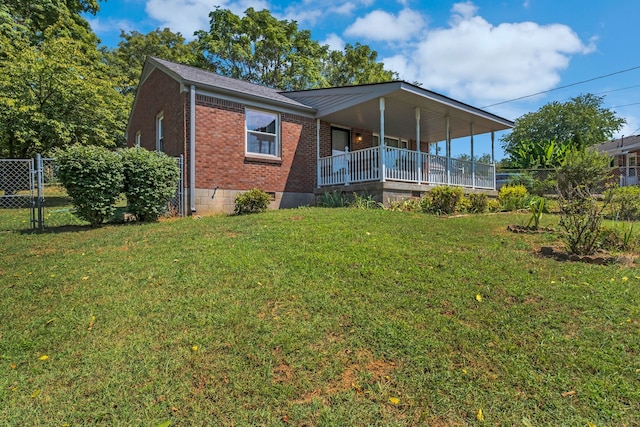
205	78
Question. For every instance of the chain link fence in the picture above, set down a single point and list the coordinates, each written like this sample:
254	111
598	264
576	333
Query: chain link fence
542	181
31	195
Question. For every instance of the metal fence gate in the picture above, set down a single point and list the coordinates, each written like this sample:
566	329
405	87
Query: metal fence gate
17	185
23	183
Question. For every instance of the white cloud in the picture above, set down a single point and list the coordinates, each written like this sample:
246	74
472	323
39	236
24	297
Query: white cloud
383	26
473	59
188	16
334	41
101	26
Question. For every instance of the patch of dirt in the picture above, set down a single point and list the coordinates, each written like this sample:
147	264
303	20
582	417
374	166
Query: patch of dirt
282	374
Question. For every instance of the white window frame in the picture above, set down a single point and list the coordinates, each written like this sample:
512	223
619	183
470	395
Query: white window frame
160	131
402	143
138	139
278	146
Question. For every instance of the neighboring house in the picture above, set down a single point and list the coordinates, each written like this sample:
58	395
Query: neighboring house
624	154
235	136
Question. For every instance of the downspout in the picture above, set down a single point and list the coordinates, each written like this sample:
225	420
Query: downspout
318	175
192	147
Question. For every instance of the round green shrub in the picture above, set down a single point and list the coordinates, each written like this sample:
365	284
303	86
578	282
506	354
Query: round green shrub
150	180
444	200
93	178
252	201
512	197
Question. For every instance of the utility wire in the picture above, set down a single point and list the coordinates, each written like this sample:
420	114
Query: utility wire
564	87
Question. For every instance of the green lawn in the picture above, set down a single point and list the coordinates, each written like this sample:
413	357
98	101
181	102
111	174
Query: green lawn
313	316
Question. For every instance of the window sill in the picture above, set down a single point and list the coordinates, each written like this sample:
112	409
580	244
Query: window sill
256	158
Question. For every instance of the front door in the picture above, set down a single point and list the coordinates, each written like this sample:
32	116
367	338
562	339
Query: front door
340	139
632	169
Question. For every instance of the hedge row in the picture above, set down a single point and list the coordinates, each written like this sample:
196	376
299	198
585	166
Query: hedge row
94	178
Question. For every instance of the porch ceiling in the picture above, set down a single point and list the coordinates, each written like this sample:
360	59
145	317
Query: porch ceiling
359	107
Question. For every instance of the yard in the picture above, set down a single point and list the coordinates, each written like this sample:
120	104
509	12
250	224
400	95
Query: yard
313	317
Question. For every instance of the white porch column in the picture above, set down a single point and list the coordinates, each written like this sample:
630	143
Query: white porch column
493	149
383	172
418	145
318	174
473	160
448	150
493	157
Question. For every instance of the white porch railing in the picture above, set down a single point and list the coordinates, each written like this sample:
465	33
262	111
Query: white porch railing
629	175
405	166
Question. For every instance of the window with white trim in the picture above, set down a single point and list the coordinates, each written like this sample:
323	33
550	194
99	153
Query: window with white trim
390	141
159	132
138	139
263	136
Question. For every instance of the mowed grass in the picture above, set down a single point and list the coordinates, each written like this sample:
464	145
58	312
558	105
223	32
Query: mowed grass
325	317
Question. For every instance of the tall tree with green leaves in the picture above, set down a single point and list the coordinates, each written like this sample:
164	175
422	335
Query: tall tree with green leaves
259	48
577	123
127	60
355	64
55	90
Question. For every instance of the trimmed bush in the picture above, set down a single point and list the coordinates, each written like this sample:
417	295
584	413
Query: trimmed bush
444	200
252	201
625	203
93	178
512	197
478	202
150	180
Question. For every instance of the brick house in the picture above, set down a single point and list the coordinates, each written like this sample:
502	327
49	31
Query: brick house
235	136
624	153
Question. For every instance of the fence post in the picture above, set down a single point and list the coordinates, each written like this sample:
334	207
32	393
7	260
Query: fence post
40	194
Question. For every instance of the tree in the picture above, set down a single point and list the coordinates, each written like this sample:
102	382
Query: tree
55	93
580	122
539	155
264	50
127	60
355	65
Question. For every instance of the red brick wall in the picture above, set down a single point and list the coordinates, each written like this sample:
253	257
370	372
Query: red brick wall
159	93
220	151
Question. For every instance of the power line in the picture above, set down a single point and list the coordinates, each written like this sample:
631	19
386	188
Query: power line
565	86
626	105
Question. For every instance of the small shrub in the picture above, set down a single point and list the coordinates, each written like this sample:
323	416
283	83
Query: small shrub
464	204
333	199
512	197
444	200
537	208
579	178
364	202
478	202
493	205
150	180
625	203
410	204
93	177
252	201
622	238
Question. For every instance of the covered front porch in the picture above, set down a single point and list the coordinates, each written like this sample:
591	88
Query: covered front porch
384	133
384	164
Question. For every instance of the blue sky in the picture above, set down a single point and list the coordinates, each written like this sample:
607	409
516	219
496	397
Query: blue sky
481	52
